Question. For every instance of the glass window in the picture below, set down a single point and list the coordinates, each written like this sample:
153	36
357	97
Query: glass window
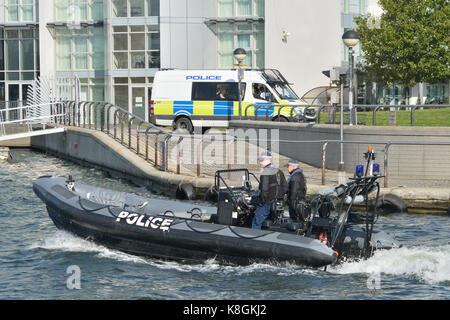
61	9
27	75
2	92
13	10
222	91
75	10
139	54
12	54
259	8
2	57
137	60
120	60
80	61
437	93
121	42
27	34
154	60
226	47
362	7
27	54
244	7
226	8
97	10
97	93
63	53
27	11
137	41
153	27
98	61
346	6
153	8
137	80
12	75
260	91
119	8
259	49
137	8
243	41
97	44
249	37
117	29
80	49
284	92
121	96
137	28
80	44
121	80
153	41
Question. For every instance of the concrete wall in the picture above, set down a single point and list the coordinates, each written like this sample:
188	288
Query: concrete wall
408	165
314	43
47	44
96	149
186	41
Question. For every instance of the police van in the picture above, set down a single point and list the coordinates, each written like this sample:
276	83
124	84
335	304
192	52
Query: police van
185	99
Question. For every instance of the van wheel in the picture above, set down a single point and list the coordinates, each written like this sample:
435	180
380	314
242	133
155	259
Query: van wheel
183	124
280	119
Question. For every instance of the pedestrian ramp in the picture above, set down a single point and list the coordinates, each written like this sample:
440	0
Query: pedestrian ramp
32	120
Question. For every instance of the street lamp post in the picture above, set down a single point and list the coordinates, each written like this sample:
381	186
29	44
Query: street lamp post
350	39
341	169
240	55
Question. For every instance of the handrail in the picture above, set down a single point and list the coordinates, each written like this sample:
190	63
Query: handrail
120	114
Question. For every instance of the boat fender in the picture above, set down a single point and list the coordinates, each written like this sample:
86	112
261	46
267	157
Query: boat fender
185	191
390	203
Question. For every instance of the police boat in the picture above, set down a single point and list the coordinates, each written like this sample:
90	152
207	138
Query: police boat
325	231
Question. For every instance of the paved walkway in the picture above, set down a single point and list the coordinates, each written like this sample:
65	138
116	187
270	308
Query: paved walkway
216	151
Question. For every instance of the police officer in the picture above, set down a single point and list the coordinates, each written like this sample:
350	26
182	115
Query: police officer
296	186
272	186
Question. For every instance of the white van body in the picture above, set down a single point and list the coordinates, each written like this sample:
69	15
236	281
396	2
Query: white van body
209	98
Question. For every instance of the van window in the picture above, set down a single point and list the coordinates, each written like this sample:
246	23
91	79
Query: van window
284	91
222	91
261	92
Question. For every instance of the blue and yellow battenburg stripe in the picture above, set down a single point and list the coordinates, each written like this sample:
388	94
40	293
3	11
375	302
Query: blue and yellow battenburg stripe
211	108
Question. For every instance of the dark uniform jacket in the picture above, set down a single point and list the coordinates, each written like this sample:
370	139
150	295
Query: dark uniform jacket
272	184
297	187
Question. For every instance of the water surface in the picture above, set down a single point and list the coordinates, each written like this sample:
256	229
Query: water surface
35	255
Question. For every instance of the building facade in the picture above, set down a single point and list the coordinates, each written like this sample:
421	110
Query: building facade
115	47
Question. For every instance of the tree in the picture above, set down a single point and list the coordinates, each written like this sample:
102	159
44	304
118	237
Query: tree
408	43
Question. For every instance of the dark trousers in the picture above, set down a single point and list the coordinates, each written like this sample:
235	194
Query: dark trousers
261	214
292	213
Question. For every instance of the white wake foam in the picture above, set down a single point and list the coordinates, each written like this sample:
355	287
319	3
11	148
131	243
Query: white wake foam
429	264
66	242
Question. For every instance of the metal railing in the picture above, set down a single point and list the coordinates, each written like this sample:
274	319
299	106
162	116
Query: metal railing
333	110
280	112
32	117
154	144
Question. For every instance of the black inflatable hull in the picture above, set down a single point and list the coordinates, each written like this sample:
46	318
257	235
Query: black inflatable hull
171	237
